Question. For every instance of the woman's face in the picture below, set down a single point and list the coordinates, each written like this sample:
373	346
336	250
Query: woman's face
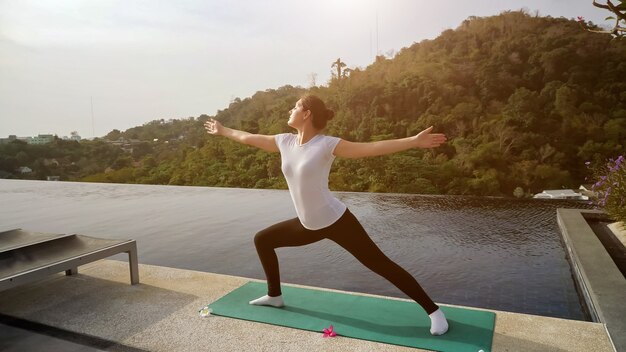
296	117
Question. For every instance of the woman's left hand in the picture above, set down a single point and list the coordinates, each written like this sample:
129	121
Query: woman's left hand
425	139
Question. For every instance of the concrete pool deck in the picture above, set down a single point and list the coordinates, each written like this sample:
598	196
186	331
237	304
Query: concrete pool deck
602	285
161	314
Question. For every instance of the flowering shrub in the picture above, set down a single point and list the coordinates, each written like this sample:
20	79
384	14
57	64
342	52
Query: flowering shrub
611	188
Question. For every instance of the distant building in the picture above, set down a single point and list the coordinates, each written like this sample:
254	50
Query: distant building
74	136
53	178
11	138
41	139
586	190
176	140
24	170
560	194
125	144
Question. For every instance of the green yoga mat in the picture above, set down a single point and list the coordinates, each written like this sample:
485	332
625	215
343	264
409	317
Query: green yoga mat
368	318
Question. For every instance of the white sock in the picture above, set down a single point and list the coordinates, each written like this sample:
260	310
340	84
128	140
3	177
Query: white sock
438	323
269	301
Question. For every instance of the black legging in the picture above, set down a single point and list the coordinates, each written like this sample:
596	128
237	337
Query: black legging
349	234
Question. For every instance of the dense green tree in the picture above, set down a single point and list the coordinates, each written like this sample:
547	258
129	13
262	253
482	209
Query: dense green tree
525	101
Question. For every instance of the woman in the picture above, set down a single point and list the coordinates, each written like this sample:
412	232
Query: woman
306	160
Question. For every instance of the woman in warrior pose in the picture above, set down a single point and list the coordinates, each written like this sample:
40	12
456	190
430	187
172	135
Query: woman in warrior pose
306	160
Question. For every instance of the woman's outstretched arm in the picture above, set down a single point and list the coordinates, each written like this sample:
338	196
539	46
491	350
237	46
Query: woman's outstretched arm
264	142
424	139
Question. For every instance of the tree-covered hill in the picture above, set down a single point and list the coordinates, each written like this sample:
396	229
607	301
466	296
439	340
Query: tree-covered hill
525	101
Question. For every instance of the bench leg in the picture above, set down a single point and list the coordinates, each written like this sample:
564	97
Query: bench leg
134	265
72	271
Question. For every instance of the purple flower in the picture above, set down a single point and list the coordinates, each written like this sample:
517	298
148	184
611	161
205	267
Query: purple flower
610	188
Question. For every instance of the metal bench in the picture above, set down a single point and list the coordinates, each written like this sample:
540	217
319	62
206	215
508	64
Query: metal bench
29	256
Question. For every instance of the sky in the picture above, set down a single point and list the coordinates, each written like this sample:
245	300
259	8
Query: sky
94	66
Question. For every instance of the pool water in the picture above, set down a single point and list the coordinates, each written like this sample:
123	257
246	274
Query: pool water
496	253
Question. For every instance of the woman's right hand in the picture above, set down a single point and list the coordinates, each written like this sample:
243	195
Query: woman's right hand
214	127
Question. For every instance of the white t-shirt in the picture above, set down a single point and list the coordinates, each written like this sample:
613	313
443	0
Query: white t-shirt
306	168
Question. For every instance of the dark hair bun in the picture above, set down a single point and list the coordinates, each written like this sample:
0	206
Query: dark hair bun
329	114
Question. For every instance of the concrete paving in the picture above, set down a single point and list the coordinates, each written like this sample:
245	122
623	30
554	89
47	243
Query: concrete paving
602	284
161	314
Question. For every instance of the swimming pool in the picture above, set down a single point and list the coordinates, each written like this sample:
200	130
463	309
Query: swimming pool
495	253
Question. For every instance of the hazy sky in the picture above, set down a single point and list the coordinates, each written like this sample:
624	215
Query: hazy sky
147	60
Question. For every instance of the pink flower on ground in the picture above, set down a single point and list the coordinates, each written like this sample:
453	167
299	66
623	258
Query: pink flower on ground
580	18
328	332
